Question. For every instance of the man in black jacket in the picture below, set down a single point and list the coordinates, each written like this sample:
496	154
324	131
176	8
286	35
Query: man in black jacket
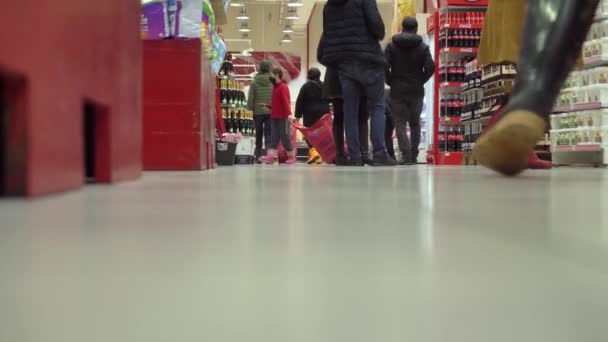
311	106
410	66
352	31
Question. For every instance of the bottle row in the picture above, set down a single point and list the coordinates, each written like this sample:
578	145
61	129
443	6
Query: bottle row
590	118
232	93
454	71
579	136
450	138
451	106
238	121
464	38
462	18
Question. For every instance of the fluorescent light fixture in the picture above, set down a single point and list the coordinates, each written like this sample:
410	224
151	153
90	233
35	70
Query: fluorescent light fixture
288	29
286	38
237	3
295	3
243	14
244	28
292	14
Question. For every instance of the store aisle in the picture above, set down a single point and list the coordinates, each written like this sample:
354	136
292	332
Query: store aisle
279	254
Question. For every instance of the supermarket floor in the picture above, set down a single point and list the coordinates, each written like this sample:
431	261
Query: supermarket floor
303	254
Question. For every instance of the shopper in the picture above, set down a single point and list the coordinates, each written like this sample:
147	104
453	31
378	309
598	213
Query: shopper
500	44
352	30
260	91
390	127
332	91
553	36
279	117
410	66
311	106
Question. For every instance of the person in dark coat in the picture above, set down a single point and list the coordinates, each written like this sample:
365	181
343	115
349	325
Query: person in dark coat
332	91
352	31
311	106
410	66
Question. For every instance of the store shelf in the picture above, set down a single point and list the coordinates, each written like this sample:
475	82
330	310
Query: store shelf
232	106
451	120
461	50
452	85
455	26
577	107
448	158
577	148
594	62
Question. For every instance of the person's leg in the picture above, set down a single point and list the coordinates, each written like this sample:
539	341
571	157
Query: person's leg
374	90
351	93
338	130
259	135
363	118
553	36
285	135
400	113
388	136
414	121
273	143
267	130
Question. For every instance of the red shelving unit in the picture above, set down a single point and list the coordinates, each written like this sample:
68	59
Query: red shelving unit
454	32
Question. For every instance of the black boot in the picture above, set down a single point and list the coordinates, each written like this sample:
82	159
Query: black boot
554	34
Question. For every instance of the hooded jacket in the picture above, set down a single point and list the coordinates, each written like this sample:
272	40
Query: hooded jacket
310	103
410	64
260	90
352	31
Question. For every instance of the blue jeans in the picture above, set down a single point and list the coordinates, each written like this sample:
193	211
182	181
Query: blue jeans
370	83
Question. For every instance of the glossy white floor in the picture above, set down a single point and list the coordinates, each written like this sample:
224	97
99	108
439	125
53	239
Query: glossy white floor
279	254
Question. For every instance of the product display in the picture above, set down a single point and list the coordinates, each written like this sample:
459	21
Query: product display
579	126
459	93
154	20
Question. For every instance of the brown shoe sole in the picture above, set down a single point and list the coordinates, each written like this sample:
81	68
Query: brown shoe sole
505	147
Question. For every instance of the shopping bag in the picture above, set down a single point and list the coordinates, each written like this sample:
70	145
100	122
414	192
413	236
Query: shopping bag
320	136
281	152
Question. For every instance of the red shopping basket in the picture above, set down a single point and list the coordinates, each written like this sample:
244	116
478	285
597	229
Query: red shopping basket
320	136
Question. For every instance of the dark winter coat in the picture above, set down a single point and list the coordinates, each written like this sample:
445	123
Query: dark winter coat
410	64
310	104
352	31
332	88
260	90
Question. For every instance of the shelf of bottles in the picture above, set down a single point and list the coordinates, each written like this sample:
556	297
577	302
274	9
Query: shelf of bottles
458	37
579	124
237	118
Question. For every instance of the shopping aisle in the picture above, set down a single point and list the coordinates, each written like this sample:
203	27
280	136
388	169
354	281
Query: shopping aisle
302	254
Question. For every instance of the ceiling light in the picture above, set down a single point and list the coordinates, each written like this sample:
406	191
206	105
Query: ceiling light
292	14
237	3
286	39
295	3
243	14
244	28
288	29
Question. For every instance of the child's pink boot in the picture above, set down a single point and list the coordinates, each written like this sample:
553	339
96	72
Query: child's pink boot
291	157
270	157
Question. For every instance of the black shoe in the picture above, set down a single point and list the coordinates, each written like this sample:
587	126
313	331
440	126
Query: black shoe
341	161
355	162
368	161
406	162
385	161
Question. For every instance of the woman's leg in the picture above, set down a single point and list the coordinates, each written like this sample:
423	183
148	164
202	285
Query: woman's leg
554	34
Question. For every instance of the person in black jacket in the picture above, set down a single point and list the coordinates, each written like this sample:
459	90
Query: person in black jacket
352	31
390	127
311	106
410	66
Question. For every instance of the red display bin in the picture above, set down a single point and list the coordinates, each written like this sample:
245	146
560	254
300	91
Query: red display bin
179	106
70	94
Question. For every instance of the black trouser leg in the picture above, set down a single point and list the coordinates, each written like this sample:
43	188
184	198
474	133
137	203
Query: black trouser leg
388	136
338	127
415	109
553	36
260	132
364	127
